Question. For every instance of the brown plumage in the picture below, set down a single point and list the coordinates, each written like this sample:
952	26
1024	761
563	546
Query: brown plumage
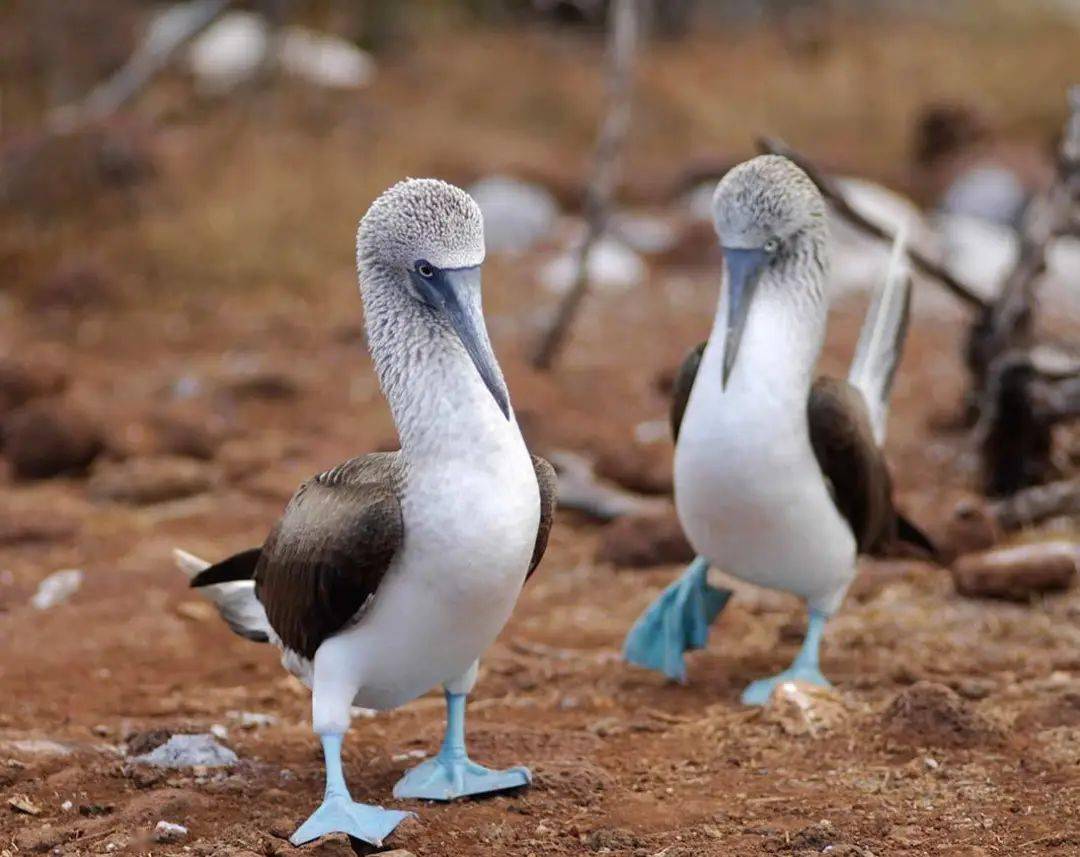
851	462
328	553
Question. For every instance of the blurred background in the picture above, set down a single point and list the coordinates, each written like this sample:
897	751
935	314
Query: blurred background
181	345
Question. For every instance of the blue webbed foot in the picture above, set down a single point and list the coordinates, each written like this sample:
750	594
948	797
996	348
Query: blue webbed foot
758	692
676	622
806	667
340	814
441	778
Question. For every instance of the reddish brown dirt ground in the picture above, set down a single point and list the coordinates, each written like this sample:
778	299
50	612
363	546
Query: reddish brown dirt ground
625	763
237	262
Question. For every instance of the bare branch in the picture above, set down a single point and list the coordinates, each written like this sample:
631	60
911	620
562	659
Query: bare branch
623	37
1007	324
1033	505
835	196
151	58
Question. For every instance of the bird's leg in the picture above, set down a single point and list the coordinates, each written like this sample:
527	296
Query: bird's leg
339	813
452	774
805	668
676	622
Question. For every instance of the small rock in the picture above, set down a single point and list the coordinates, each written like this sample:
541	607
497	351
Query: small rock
646	233
48	438
187	751
930	714
188	433
67	806
988	192
517	214
166	832
805	709
971	528
73	286
397	852
57	588
140	743
611	267
144	481
263	384
1017	573
644	541
21	803
31	528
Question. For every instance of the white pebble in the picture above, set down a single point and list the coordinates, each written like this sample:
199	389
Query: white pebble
57	588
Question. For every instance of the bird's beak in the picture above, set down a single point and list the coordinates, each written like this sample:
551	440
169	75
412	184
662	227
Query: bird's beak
455	292
744	267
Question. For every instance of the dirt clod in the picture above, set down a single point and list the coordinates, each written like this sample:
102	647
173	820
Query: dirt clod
144	481
48	438
930	714
22	380
39	839
644	541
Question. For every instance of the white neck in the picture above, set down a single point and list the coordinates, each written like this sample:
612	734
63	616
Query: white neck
440	405
781	342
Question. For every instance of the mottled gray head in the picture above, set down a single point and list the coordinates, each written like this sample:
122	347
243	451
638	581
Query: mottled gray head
768	199
423	239
421	220
772	225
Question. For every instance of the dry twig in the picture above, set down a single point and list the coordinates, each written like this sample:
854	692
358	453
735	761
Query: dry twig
1007	323
151	58
622	46
1038	503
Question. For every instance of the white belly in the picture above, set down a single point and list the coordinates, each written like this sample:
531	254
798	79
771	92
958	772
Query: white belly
750	494
469	535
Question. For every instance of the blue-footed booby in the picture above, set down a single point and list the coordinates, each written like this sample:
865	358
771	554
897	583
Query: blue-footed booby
393	572
779	478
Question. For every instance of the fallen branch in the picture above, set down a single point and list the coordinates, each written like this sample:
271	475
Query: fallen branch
151	58
836	197
1036	504
622	46
581	490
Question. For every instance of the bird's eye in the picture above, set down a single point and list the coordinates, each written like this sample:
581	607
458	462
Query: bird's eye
772	245
425	269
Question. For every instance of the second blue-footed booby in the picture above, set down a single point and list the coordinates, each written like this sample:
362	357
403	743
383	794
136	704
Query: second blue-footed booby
393	572
779	478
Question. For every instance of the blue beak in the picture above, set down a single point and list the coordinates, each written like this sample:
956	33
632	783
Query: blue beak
455	293
744	267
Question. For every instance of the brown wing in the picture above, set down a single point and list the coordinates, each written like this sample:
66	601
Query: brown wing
684	383
546	479
325	559
843	442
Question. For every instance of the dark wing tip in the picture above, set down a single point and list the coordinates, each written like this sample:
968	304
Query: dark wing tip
240	566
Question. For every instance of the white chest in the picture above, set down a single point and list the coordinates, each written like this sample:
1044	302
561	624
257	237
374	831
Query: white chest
748	488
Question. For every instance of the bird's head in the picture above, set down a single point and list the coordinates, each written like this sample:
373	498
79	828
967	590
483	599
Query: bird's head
772	225
424	238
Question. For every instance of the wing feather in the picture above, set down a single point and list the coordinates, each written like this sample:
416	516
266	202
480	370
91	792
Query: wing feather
684	383
323	562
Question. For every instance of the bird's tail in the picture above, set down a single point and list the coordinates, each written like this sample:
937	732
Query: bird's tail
881	340
229	585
